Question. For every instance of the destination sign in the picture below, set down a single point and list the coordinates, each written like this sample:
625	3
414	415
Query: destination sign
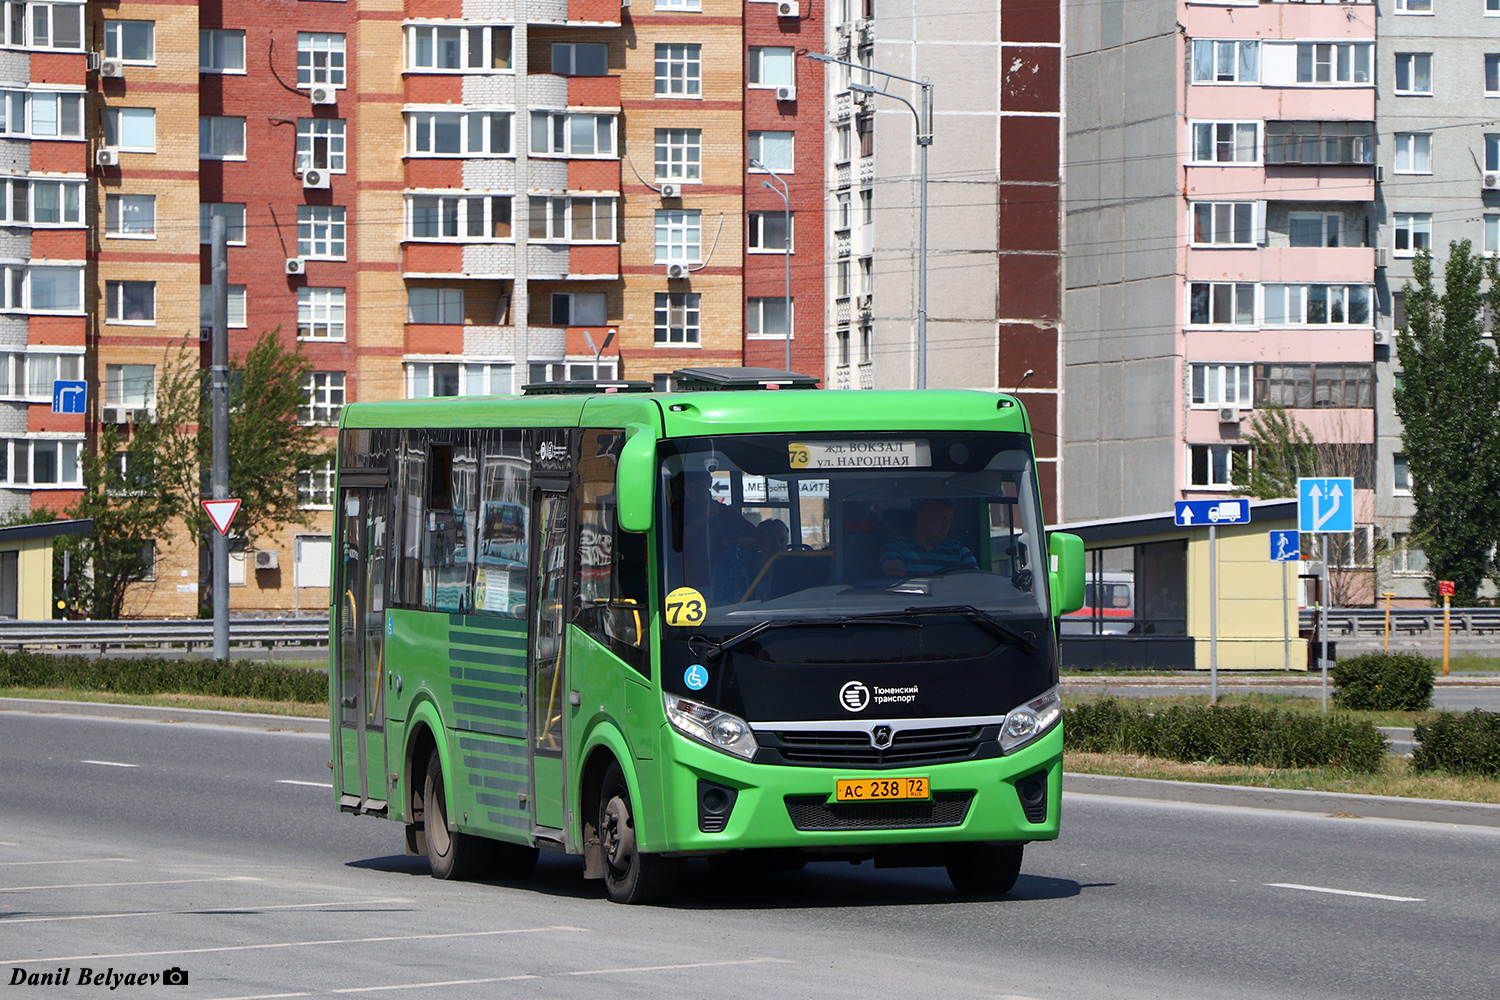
859	454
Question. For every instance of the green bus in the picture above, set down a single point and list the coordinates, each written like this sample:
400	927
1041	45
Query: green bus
747	620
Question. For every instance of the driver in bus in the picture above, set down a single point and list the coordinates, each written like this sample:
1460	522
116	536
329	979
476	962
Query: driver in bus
708	528
929	549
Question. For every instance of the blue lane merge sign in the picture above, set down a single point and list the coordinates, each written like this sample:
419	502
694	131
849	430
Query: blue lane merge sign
1325	504
70	397
1286	546
1190	512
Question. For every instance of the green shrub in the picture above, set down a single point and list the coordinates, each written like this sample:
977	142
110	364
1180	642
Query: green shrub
1383	682
1240	734
1467	743
153	675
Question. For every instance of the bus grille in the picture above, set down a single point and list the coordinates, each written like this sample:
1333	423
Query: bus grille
815	812
851	748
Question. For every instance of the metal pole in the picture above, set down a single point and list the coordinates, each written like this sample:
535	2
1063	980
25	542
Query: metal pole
219	385
1213	614
1323	627
1446	599
924	139
786	214
1388	595
1286	623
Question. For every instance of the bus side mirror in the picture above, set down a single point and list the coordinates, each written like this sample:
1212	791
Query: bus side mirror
1066	572
635	479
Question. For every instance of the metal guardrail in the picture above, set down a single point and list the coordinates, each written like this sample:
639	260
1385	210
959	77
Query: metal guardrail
1413	622
186	633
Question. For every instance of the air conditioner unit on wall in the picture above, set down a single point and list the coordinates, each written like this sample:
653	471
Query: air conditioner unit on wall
1382	338
1380	255
670	190
315	177
324	94
94	61
112	69
1491	180
789	8
1229	415
114	415
677	270
108	156
786	93
296	265
267	559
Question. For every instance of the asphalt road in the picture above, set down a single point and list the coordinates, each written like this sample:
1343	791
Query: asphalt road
139	847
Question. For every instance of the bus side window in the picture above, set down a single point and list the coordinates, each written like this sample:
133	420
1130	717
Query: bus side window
502	551
611	563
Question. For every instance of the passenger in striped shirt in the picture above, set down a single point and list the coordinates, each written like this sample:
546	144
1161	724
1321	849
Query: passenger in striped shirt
929	550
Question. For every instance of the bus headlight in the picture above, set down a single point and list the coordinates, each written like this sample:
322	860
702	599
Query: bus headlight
1031	720
705	724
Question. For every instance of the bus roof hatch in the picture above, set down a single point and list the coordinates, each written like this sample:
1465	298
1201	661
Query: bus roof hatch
584	387
698	379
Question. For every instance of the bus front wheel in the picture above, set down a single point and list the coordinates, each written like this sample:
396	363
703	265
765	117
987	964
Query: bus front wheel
630	876
985	869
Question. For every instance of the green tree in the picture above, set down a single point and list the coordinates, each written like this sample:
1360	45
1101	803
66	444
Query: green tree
1449	405
1281	452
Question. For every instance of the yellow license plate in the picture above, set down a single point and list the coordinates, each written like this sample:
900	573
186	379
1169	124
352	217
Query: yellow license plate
880	789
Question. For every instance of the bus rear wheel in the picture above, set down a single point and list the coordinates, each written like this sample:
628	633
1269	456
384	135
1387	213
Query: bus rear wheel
455	855
985	869
630	875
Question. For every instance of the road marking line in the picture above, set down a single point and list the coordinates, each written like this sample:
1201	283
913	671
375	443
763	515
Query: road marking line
294	944
309	784
1344	892
108	763
107	885
213	910
68	861
669	968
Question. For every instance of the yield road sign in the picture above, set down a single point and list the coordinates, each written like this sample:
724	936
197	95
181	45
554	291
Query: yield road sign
1190	512
69	396
221	512
1325	504
1286	546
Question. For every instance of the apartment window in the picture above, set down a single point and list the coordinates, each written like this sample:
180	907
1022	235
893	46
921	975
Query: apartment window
769	232
1407	559
678	318
1492	75
772	66
1491	7
130	215
1414	6
1314	229
428	379
130	41
1351	551
679	236
1492	234
578	309
1221	385
1334	62
130	301
1319	386
1414	72
571	369
321	144
1224	223
843	144
556	133
867	206
1492	152
41	114
30	375
458	48
573	220
459	217
221	138
1317	305
1350	143
679	70
236	317
580	58
221	51
130	385
130	129
233	215
321	231
41	203
1401	481
767	317
320	58
455	133
322	398
320	313
679	154
41	288
864	131
842	217
43	25
1225	61
774	150
40	462
1212	465
1412	233
435	305
684	5
841	279
315	486
1413	153
1221	303
867	275
1226	142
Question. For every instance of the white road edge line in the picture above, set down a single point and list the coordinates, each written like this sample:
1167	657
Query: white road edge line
213	910
294	944
110	885
670	968
1344	892
309	784
108	763
65	861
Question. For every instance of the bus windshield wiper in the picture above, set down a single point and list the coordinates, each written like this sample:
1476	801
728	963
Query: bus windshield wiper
720	648
985	620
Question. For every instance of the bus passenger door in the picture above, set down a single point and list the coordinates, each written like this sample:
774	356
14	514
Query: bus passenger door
364	544
551	599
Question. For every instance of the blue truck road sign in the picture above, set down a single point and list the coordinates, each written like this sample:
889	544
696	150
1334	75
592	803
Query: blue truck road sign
1325	504
1190	512
70	397
1286	546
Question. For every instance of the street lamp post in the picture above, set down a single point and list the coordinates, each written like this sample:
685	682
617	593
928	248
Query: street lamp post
786	213
923	119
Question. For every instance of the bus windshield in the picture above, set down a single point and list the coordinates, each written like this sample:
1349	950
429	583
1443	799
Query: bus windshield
764	527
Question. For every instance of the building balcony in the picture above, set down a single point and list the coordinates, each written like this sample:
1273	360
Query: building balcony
562	261
1343	265
1281	182
605	13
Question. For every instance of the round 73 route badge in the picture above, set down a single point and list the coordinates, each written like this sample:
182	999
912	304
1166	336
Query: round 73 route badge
684	606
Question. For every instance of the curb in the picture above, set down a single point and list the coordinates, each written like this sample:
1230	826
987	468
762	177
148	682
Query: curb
152	713
1285	799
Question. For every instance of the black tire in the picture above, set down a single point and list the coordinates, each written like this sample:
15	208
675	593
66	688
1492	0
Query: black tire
630	875
985	869
451	854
